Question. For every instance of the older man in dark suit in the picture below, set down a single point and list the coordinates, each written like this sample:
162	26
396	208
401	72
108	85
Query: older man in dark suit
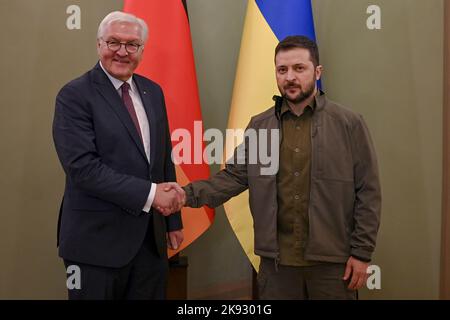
112	137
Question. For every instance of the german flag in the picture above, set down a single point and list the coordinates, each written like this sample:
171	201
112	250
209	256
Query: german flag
168	60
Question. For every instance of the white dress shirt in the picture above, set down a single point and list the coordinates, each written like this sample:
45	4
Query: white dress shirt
143	124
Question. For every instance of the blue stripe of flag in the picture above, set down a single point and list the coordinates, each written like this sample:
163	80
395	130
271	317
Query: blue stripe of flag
288	17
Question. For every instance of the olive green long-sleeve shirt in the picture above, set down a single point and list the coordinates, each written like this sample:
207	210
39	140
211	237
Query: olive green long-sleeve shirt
293	185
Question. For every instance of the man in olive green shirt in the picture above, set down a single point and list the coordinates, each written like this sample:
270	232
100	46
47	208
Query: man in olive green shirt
317	218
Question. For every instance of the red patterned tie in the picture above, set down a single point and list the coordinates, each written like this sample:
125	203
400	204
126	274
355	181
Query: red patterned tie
130	107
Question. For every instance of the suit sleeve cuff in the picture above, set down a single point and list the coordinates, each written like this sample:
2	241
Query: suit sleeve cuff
190	199
361	254
174	222
151	197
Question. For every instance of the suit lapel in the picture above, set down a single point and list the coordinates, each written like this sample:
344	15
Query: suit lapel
146	98
107	90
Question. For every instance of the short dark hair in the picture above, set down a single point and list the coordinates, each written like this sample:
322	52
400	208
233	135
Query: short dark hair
292	42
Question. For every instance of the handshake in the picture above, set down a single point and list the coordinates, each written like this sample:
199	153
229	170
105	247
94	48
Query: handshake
169	198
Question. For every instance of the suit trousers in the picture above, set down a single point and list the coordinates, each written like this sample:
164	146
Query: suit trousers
318	282
143	278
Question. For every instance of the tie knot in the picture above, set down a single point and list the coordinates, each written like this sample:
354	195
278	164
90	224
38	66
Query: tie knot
125	87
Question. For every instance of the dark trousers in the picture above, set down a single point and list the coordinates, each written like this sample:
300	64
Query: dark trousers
143	278
318	282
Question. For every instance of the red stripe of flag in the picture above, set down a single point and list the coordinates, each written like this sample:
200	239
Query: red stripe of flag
168	59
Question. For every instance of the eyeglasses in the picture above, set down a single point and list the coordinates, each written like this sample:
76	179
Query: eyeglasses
130	47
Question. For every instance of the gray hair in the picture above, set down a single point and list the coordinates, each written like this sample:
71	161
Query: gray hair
118	16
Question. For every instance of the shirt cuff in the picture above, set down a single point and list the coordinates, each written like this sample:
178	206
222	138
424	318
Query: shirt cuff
151	197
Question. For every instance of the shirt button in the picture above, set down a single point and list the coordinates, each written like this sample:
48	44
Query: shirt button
297	197
297	150
296	174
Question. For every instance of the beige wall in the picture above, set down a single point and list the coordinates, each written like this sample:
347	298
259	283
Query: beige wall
39	55
218	265
392	76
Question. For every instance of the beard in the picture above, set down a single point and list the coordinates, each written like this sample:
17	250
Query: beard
304	94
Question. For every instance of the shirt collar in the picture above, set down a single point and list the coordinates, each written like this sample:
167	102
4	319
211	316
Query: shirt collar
285	106
116	82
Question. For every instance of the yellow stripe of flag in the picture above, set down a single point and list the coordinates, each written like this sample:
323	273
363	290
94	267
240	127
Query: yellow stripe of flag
254	87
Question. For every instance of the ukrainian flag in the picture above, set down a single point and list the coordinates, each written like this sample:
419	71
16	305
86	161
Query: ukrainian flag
267	22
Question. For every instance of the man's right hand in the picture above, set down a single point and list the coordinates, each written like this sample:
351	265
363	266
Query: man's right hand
169	198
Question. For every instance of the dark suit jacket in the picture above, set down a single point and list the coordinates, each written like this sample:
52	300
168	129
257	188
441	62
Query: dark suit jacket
108	176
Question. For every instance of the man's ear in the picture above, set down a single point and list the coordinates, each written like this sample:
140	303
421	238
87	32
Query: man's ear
319	70
98	46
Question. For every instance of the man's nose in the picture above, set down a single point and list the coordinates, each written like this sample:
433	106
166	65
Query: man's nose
122	51
290	76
